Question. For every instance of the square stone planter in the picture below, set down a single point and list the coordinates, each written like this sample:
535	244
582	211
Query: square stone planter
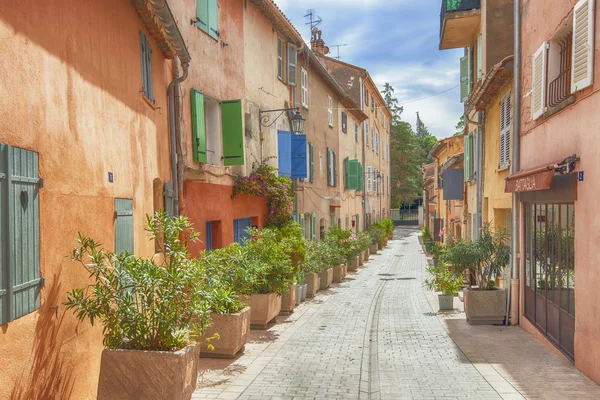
134	374
298	295
446	302
367	254
344	271
353	264
264	309
373	248
485	307
304	292
338	273
326	277
233	332
288	301
312	284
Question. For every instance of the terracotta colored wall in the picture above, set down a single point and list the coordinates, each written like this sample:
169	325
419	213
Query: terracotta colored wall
215	204
571	131
71	84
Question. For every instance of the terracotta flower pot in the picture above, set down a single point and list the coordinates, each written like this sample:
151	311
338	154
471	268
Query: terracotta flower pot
326	278
385	242
233	331
485	307
344	271
373	248
338	273
288	302
264	309
134	374
312	284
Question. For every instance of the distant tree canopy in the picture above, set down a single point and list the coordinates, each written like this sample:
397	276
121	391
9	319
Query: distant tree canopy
409	151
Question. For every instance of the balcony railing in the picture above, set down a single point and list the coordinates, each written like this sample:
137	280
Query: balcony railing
450	6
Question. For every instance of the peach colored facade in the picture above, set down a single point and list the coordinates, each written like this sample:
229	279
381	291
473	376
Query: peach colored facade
559	133
84	115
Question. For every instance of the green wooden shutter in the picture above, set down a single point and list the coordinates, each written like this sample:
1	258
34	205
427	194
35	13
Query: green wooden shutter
123	225
233	133
329	180
346	172
301	221
311	150
353	171
313	227
213	19
198	126
465	76
19	233
202	14
335	178
361	178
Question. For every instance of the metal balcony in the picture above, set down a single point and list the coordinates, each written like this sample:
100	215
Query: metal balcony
459	22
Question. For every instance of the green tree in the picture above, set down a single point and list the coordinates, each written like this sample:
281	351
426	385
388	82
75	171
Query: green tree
460	126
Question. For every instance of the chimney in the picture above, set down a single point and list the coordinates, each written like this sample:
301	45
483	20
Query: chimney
316	43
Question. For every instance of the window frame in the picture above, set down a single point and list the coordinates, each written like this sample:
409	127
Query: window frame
279	57
304	87
146	60
330	111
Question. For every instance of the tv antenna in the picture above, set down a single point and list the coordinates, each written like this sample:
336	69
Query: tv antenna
338	49
314	19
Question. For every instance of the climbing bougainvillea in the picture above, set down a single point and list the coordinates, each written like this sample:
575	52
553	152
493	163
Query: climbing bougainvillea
264	181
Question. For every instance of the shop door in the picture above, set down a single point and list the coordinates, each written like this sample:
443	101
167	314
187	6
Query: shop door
550	272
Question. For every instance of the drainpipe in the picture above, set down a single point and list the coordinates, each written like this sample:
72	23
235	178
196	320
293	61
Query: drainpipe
177	162
515	166
364	192
479	182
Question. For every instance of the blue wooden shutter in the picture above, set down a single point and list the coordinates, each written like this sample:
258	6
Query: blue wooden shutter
240	227
123	225
198	126
344	122
20	233
232	132
209	239
298	156
301	222
284	152
202	14
213	19
311	155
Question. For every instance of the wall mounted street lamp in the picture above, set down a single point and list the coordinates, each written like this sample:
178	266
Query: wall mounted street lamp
296	119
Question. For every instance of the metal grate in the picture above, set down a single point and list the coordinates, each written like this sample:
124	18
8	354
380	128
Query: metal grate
560	88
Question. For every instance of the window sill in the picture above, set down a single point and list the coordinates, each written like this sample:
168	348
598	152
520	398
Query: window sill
564	104
305	106
149	101
504	168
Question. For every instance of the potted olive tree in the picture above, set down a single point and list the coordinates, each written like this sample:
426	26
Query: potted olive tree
149	313
291	236
486	258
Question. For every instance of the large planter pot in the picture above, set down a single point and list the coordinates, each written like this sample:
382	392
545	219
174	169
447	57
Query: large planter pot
446	301
326	278
361	258
485	307
373	248
391	236
344	271
367	254
264	309
338	273
298	295
135	374
233	331
312	284
385	242
304	291
288	302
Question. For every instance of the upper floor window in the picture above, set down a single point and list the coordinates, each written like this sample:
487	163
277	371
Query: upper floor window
505	113
329	111
304	87
279	58
367	133
344	122
372	103
292	53
356	133
146	54
207	13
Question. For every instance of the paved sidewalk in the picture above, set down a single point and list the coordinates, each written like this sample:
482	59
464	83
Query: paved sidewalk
376	336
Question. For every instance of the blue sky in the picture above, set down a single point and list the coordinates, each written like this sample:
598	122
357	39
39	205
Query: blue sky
397	42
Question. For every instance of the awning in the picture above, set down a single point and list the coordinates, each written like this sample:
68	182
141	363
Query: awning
335	203
532	179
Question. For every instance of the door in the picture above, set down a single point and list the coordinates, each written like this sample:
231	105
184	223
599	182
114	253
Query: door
209	236
550	272
240	227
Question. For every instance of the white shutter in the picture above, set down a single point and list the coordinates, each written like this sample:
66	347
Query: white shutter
369	179
304	84
538	86
292	60
582	68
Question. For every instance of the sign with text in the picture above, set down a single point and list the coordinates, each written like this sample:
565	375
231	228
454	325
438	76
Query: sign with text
529	183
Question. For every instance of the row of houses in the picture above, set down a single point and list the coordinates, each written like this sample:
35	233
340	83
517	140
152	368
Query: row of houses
527	161
114	110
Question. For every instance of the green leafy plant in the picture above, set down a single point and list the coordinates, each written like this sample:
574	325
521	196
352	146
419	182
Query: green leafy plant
364	240
377	234
264	181
140	303
315	256
388	226
426	234
442	278
344	242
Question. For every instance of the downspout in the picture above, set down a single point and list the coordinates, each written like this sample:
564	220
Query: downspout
479	182
364	188
515	166
177	162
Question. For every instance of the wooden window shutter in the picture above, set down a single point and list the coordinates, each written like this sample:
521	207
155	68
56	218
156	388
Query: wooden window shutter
467	152
311	155
198	126
20	279
279	57
505	113
344	122
367	133
123	225
353	172
479	56
356	133
298	156
465	76
582	67
202	14
284	152
213	19
232	132
313	227
292	61
538	85
329	180
335	178
346	172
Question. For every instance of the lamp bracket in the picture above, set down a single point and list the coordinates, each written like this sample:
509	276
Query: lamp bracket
265	120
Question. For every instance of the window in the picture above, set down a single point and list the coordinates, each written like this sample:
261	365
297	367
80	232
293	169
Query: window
538	82
207	14
311	162
465	75
146	55
291	153
362	94
366	96
351	174
468	169
356	133
329	111
279	58
377	142
367	133
304	84
240	229
583	45
505	122
208	241
372	103
559	67
331	167
344	122
373	139
369	179
292	53
19	224
479	57
320	164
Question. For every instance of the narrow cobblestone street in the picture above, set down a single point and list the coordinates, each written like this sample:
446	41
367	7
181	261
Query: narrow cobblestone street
376	336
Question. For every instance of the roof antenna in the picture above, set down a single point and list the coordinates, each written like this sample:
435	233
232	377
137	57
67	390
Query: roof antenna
338	49
314	19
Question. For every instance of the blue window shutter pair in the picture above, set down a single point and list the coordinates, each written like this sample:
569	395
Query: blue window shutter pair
292	155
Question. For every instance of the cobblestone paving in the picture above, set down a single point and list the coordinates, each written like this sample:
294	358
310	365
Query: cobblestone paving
375	336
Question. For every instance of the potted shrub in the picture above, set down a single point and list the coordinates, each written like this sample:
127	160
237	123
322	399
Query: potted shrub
227	276
443	278
388	226
312	267
149	312
485	258
364	241
377	236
